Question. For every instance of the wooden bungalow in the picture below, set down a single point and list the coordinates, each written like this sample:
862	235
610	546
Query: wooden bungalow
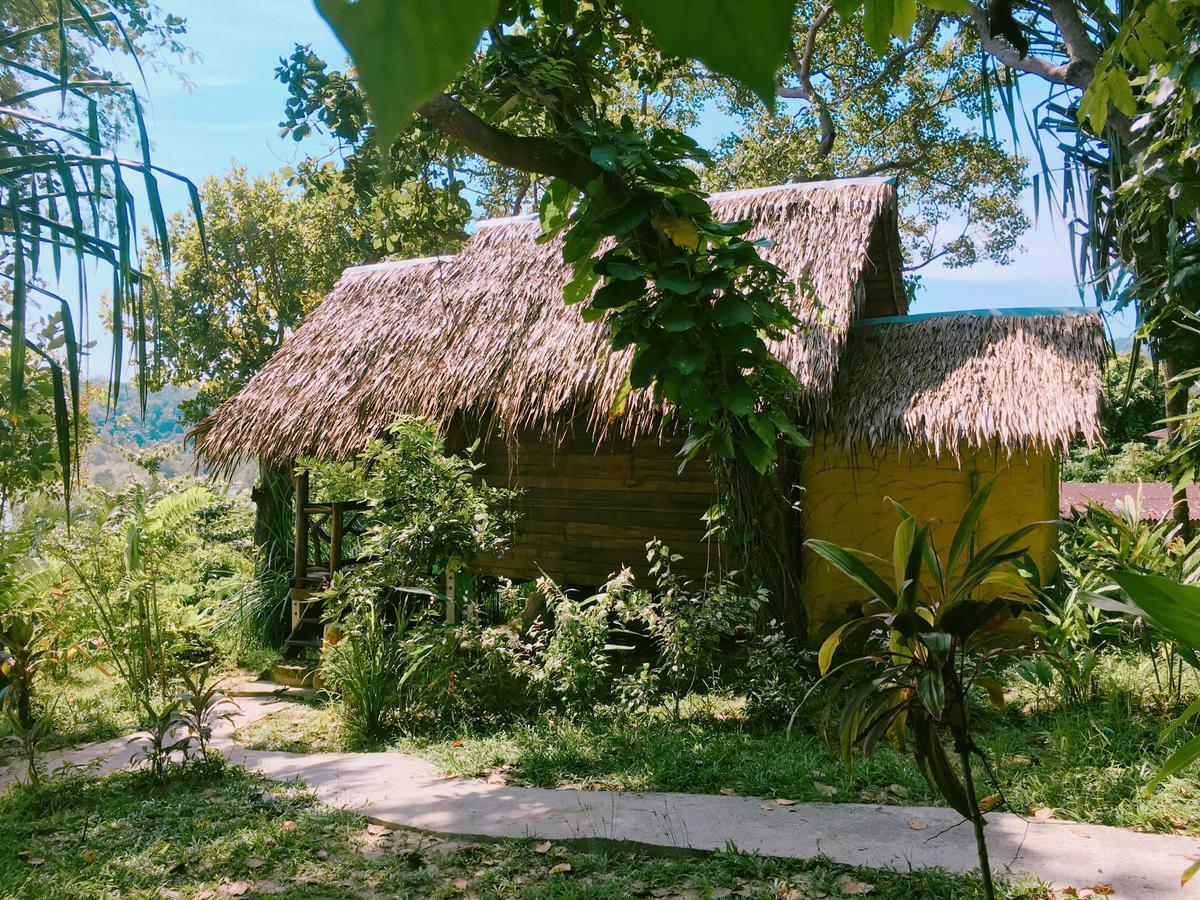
918	408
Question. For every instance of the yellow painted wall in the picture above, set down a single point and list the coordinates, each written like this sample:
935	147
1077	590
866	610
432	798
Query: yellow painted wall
845	502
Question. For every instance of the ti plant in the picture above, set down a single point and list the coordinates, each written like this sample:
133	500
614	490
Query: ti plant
928	643
202	706
1174	609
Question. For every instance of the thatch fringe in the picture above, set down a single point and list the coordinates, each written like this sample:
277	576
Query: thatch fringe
486	332
942	382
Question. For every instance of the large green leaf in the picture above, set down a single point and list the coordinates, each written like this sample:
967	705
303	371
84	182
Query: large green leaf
745	39
853	567
1173	607
406	51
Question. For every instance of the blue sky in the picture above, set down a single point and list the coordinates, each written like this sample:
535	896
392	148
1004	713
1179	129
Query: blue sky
232	109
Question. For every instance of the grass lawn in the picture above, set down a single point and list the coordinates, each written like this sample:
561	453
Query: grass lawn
1089	762
215	832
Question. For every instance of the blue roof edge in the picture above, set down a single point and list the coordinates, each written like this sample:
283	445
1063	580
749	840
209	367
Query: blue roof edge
1013	312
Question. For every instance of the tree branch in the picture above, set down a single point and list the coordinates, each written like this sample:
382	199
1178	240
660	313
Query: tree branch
1074	33
529	154
1075	72
803	68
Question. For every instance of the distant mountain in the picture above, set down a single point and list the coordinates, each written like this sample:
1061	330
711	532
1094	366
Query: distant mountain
122	431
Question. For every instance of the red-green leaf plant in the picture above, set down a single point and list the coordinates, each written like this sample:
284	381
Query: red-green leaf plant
928	635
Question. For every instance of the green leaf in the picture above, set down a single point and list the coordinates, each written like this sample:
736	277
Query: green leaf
760	455
1173	607
406	51
950	6
606	156
877	24
745	40
1184	756
579	288
733	310
854	568
932	690
966	526
903	19
557	200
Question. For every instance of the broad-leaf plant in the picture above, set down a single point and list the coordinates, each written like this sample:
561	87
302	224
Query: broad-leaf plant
927	638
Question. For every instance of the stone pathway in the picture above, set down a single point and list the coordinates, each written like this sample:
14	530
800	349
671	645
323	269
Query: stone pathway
403	791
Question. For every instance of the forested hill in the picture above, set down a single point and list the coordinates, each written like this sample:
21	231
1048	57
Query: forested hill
128	428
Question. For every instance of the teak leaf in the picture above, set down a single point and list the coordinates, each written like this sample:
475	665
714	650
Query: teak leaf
406	51
746	41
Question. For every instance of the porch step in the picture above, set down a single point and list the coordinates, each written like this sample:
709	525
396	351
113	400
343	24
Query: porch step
295	675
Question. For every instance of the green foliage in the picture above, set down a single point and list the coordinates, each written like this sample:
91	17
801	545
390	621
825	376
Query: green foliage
150	564
1173	608
68	193
688	627
426	511
406	52
571	659
202	706
744	41
374	665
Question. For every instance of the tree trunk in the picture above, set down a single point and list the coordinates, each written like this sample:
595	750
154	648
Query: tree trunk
272	496
1176	408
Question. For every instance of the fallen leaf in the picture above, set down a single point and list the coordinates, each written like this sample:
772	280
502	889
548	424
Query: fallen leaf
853	887
917	825
767	806
460	883
720	892
989	802
826	789
322	854
378	830
784	802
458	743
289	825
255	863
169	893
543	847
725	792
1081	832
235	889
37	861
560	869
898	789
202	895
561	851
1043	813
88	856
1103	888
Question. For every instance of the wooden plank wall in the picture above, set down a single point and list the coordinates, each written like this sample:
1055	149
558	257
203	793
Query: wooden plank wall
588	510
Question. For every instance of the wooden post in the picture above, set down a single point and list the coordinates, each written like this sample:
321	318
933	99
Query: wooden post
300	565
451	605
336	529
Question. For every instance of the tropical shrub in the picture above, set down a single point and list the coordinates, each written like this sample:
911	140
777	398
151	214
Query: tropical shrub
374	665
1100	542
688	626
427	512
118	560
928	642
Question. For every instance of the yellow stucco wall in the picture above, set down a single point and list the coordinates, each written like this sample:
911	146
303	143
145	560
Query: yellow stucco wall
845	502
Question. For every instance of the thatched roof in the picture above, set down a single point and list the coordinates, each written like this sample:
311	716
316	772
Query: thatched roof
1016	379
487	332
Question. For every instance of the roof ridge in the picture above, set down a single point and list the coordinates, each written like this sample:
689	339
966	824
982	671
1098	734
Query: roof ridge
1011	312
